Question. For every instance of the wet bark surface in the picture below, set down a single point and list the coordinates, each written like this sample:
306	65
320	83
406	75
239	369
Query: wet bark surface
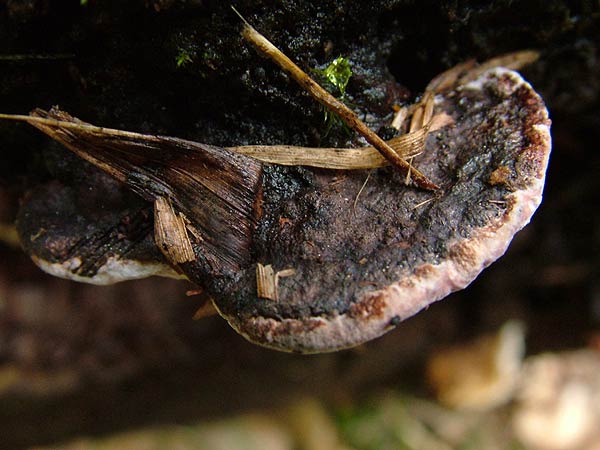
87	359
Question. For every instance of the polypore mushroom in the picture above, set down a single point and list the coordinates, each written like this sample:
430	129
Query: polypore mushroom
360	272
354	268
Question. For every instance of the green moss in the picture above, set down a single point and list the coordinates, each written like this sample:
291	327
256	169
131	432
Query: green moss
335	77
183	58
337	73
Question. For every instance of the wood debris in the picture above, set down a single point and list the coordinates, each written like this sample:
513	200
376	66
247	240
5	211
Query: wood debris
206	310
267	281
170	233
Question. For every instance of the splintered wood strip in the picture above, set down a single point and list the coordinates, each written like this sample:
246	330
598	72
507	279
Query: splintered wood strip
206	310
266	283
265	47
400	117
285	273
416	122
194	292
170	233
423	114
428	103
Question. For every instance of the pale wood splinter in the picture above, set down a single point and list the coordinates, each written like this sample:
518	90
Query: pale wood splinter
267	281
170	233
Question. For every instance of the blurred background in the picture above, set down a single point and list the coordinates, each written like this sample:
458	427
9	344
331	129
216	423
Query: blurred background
512	362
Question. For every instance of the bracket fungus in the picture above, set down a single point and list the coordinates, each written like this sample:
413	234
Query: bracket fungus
359	268
294	254
360	273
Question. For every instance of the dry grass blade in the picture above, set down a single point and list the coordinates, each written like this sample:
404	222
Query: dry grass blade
362	188
423	115
407	145
427	108
327	158
416	121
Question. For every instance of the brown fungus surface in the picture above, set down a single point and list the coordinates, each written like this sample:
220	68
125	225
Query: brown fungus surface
356	252
96	231
360	270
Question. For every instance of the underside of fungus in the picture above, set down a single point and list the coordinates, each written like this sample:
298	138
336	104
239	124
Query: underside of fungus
343	268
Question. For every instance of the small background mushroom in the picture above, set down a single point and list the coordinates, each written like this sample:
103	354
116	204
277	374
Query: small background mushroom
78	359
